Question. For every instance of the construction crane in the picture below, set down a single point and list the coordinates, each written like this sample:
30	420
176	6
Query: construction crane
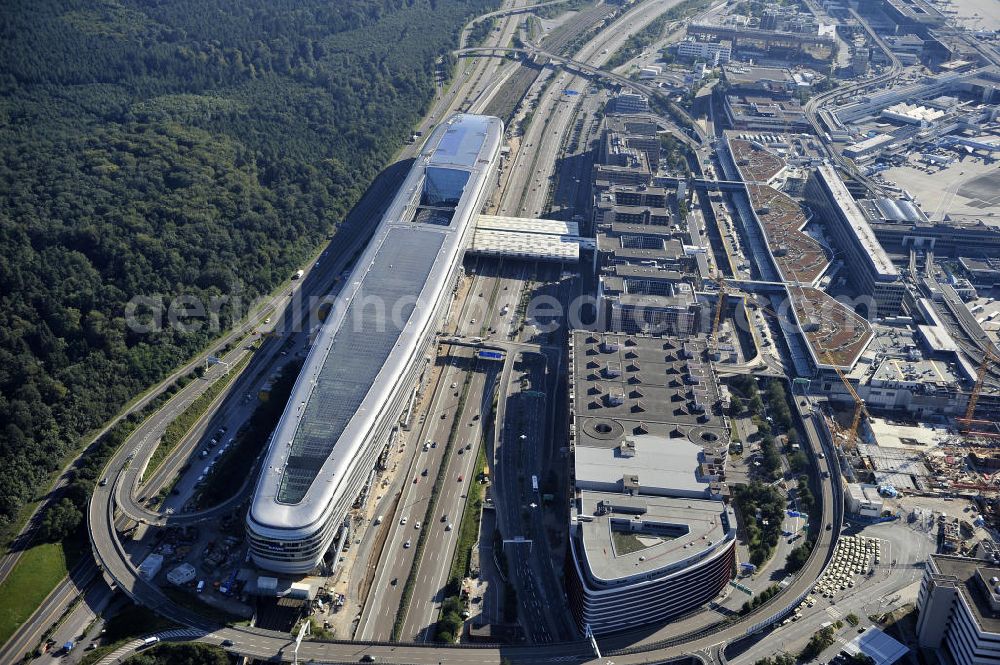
977	389
859	404
721	283
967	423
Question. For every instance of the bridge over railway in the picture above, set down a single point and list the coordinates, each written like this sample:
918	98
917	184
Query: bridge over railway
510	11
720	185
696	141
117	566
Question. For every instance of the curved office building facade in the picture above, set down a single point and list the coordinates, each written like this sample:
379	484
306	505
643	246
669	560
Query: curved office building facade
651	586
651	537
359	375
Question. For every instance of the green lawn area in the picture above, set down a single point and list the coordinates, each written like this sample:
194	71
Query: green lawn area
626	543
37	572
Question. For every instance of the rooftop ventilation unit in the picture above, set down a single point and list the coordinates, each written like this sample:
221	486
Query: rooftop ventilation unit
608	346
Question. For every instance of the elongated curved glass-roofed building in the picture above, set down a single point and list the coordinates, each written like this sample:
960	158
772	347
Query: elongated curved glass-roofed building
361	370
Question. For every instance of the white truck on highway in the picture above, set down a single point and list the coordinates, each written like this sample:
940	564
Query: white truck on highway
298	274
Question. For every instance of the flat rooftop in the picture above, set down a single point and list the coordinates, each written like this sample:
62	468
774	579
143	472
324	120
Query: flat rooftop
527	225
798	255
463	142
660	465
626	270
890	434
833	330
857	221
923	371
630	385
739	74
877	645
680	300
530	245
967	572
638	248
619	228
980	263
627	536
754	162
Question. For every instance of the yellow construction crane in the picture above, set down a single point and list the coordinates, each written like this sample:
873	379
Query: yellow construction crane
974	396
721	282
859	406
970	411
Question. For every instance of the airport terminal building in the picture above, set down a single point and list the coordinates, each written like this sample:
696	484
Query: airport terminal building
959	609
651	537
363	368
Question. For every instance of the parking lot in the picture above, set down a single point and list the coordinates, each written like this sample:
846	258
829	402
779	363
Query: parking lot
955	188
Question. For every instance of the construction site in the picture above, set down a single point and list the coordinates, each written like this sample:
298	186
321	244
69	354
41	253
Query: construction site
904	399
923	473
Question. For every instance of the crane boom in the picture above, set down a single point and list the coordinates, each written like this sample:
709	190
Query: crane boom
859	404
718	305
980	377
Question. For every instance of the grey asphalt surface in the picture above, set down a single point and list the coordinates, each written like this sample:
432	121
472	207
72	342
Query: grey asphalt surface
875	595
427	594
93	601
265	644
383	601
496	286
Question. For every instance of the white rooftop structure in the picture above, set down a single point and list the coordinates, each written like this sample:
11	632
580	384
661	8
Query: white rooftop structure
858	223
912	113
673	532
365	358
546	239
182	574
874	643
150	566
661	466
528	225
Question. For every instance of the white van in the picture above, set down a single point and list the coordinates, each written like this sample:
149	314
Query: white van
201	586
378	520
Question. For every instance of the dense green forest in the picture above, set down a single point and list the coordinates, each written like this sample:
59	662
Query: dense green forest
168	147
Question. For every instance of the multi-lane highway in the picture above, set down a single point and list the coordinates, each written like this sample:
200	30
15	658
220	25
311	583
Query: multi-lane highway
346	243
524	194
459	374
518	455
628	648
432	570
